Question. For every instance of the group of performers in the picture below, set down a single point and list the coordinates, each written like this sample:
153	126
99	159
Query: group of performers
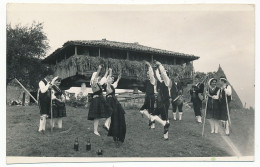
160	92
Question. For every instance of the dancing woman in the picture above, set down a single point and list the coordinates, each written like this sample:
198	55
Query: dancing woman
117	128
58	103
162	102
148	107
98	106
213	113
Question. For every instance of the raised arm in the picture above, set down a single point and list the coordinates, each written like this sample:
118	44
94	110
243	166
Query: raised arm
98	71
116	82
164	75
150	73
104	79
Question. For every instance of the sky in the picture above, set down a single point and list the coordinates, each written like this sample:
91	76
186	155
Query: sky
218	34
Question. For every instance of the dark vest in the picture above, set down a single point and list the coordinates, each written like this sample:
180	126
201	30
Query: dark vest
45	97
149	88
222	95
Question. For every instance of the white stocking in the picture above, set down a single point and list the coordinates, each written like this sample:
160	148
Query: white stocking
59	122
211	122
96	121
158	119
107	122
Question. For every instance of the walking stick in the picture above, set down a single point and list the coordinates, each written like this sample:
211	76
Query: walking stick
26	90
229	120
204	120
51	113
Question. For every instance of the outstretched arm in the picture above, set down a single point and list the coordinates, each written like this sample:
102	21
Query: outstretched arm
116	82
150	73
104	79
98	71
164	75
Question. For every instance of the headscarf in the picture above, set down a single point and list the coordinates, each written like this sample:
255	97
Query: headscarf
209	82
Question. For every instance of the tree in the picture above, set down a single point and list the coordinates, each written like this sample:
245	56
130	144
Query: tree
26	45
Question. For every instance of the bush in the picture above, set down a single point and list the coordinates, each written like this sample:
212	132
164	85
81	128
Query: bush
77	102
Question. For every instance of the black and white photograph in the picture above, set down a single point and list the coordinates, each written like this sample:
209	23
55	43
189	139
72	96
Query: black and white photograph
129	82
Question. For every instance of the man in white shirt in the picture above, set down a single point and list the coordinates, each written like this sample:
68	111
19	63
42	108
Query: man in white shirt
44	100
225	96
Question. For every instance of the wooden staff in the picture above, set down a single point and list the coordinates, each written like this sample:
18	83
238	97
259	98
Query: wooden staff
204	120
26	90
229	120
51	113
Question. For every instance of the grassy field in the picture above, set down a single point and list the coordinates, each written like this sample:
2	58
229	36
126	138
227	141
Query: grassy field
184	136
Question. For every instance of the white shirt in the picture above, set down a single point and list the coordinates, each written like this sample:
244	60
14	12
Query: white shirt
43	87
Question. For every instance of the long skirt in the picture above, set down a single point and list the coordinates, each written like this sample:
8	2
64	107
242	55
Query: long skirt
58	109
99	108
117	126
213	109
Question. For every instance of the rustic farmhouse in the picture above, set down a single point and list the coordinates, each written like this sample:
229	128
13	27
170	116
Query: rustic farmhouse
75	61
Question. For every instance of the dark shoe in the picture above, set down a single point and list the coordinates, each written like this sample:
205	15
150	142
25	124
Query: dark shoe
166	128
105	128
151	122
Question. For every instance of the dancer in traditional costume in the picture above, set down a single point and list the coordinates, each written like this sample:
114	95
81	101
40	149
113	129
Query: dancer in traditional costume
44	100
162	101
225	96
212	112
117	128
98	106
196	93
176	98
150	86
58	103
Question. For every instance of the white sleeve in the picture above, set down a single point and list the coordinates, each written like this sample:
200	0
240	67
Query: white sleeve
53	95
103	81
43	87
228	90
165	77
115	84
158	75
151	75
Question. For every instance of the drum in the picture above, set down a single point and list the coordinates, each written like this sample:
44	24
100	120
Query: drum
178	100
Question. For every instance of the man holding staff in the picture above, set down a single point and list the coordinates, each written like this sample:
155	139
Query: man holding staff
196	93
224	100
44	100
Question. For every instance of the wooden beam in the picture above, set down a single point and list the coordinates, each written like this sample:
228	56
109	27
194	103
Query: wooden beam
174	61
98	52
76	50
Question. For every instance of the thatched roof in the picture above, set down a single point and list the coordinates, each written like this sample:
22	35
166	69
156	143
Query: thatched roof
121	46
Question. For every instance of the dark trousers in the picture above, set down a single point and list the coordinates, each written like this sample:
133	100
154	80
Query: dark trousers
174	107
197	104
149	103
162	109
